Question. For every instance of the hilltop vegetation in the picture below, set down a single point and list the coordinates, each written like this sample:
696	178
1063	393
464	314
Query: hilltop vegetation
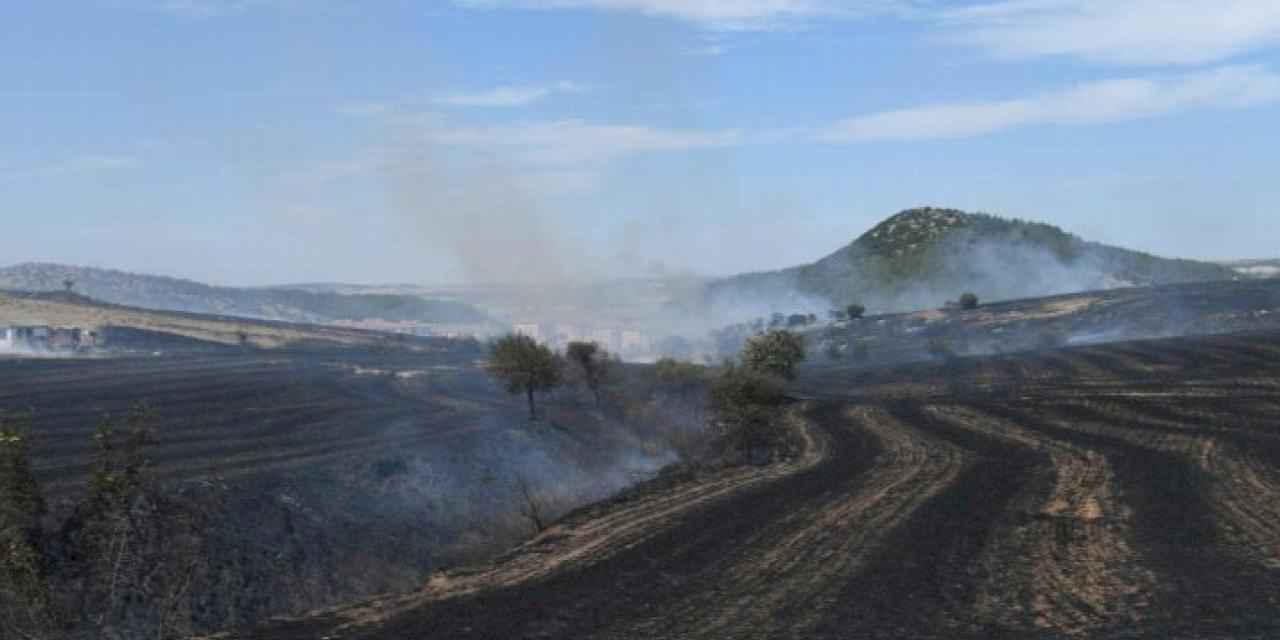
173	294
920	258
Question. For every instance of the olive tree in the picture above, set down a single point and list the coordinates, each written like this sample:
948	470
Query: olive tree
855	311
524	365
969	301
775	353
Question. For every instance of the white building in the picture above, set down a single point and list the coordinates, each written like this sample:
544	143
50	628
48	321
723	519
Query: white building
634	342
8	337
607	338
531	329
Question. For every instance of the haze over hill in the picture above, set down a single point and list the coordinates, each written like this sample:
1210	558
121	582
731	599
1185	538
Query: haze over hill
920	258
1256	268
295	305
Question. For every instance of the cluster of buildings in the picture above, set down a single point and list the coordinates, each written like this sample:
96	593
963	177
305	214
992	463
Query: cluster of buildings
624	342
46	338
409	327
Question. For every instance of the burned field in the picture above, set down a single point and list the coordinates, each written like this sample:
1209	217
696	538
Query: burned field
1076	319
236	416
1118	491
307	477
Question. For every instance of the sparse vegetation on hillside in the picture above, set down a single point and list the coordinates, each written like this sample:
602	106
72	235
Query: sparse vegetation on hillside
24	589
775	353
120	562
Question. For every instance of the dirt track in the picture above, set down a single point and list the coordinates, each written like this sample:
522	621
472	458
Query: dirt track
1110	492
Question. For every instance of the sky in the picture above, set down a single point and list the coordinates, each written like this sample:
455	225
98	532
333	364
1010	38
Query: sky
271	141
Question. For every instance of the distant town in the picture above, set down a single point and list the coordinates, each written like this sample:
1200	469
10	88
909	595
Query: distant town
626	342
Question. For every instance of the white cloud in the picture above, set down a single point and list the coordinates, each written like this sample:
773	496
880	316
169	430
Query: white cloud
569	143
548	158
508	96
718	14
1096	102
1119	31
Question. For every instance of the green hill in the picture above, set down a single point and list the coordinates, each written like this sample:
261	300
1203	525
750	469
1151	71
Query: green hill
920	258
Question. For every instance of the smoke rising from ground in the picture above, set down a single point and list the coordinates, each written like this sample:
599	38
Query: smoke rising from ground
477	210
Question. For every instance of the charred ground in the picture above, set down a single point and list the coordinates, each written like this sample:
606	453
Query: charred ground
1114	491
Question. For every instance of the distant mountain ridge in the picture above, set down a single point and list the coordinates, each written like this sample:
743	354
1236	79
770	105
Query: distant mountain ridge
175	294
921	257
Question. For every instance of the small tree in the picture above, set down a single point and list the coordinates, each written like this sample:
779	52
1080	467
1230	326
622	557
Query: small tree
775	353
592	364
68	284
523	365
746	404
969	301
855	311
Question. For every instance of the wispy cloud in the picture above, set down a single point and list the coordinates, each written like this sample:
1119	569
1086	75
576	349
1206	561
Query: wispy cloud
508	96
1095	102
554	157
203	8
1119	31
575	143
1109	31
716	14
75	165
219	8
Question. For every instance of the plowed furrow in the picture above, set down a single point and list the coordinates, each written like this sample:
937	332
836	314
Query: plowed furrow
927	582
786	579
1073	553
1202	585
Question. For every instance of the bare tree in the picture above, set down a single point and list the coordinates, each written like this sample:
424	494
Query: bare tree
531	505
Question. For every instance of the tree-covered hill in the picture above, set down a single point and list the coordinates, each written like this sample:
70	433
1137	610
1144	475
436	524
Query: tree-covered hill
923	257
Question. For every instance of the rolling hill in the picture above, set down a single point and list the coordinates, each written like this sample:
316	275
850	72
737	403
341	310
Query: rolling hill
293	305
920	258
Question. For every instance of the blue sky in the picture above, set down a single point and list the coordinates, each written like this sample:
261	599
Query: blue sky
269	141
